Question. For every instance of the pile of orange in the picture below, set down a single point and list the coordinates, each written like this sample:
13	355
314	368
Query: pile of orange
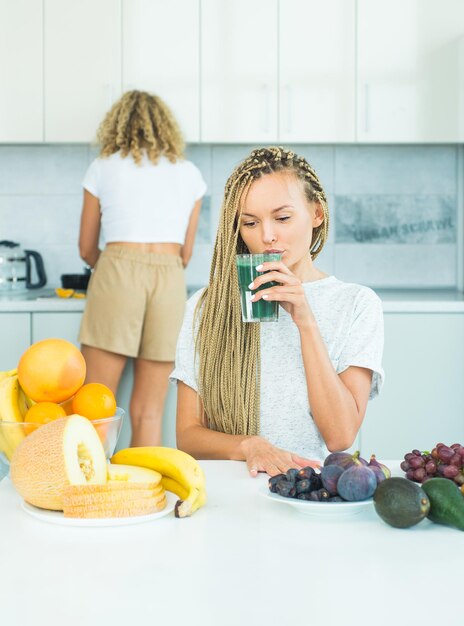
52	373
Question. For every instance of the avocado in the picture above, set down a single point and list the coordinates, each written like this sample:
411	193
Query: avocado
400	502
446	502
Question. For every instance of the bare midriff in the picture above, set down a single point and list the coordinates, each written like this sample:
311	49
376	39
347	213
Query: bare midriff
157	248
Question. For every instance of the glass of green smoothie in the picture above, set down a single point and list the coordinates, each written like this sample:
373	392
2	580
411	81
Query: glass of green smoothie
262	310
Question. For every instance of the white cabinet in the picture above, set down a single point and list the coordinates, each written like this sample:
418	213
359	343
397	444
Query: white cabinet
56	325
14	338
317	71
161	55
239	71
21	71
422	402
410	71
82	56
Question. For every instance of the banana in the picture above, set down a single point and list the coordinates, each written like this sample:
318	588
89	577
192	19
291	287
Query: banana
10	412
188	480
174	487
8	373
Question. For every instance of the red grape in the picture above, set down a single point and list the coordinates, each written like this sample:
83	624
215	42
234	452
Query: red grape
416	461
431	467
450	471
445	454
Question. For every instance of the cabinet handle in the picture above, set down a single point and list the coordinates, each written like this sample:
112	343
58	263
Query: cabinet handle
267	113
366	108
289	107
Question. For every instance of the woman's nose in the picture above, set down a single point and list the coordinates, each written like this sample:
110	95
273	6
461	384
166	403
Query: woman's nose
268	235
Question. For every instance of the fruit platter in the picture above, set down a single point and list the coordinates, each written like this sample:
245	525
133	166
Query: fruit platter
58	435
343	485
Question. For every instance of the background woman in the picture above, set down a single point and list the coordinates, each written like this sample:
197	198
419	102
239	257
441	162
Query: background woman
276	395
145	198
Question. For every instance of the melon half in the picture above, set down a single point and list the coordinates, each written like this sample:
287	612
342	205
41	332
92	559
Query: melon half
67	451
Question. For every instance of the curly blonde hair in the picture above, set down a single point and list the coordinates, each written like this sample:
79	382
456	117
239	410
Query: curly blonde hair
228	350
141	122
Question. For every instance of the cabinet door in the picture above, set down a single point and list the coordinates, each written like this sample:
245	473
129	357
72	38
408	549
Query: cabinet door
82	66
410	70
317	71
423	399
239	71
59	325
167	64
15	338
21	71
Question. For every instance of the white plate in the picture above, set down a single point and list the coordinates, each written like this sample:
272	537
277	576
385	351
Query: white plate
319	509
57	517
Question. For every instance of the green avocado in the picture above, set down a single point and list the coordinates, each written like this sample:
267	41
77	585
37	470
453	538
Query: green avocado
400	502
446	502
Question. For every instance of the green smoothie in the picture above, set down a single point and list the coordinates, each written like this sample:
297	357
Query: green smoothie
260	311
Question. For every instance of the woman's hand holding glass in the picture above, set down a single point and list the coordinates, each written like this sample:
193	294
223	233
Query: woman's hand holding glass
262	456
289	293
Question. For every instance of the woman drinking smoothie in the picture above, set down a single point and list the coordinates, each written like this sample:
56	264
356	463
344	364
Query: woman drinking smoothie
276	394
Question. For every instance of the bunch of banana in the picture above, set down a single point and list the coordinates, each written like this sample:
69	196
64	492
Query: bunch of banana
14	405
181	474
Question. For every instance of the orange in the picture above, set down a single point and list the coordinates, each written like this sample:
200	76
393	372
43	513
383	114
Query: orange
51	370
94	401
42	413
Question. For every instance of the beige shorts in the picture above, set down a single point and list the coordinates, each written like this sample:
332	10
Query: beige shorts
135	304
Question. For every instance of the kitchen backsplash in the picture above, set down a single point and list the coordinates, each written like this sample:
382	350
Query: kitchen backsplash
394	209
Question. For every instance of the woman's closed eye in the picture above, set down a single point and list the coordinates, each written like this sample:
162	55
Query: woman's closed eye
278	219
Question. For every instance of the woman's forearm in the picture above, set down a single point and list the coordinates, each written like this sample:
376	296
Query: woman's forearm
203	443
91	257
332	404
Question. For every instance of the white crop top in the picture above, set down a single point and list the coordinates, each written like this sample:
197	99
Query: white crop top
144	203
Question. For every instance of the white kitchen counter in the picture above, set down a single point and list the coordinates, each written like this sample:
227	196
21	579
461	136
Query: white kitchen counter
394	301
241	560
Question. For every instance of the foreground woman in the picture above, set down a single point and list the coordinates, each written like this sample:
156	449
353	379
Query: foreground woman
276	395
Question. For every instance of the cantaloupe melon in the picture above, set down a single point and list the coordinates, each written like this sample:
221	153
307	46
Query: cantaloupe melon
67	451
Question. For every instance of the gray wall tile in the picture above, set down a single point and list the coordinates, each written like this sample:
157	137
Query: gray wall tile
395	169
46	170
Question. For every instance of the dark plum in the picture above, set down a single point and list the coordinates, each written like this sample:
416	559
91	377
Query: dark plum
286	489
316	482
303	486
357	483
329	476
324	495
292	474
274	480
306	472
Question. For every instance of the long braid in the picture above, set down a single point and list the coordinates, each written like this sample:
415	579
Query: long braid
228	350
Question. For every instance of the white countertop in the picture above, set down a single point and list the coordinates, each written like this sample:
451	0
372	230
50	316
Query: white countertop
241	560
394	301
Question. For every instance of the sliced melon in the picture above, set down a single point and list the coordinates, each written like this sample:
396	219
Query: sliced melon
67	451
142	476
114	499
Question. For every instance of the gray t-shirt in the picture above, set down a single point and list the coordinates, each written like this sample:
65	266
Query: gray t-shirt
350	320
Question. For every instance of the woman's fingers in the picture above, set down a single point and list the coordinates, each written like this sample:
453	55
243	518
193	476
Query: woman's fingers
279	277
306	462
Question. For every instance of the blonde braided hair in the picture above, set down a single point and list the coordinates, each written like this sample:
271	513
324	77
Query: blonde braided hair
140	122
228	349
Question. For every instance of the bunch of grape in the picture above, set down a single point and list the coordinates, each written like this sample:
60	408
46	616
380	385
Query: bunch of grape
443	461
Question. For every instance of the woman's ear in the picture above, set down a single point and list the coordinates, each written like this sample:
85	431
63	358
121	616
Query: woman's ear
318	217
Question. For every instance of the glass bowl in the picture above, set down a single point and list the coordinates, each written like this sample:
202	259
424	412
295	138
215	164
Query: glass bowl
13	433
